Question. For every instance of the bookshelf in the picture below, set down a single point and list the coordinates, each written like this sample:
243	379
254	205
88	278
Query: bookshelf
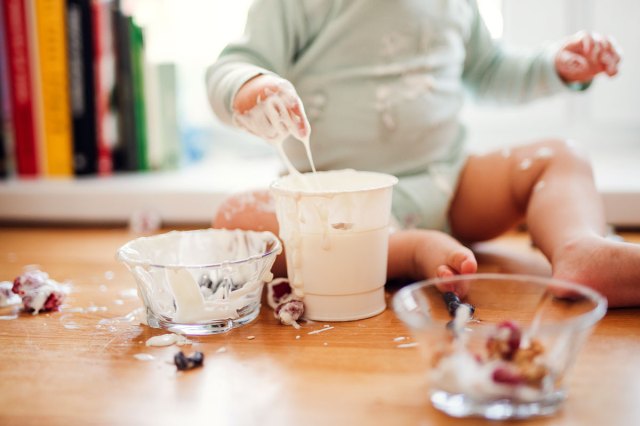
188	195
192	194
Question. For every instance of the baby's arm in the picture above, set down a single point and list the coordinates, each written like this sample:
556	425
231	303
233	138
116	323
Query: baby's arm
509	75
267	47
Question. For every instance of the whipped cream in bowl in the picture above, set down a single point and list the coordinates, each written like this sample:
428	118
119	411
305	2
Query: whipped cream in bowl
204	281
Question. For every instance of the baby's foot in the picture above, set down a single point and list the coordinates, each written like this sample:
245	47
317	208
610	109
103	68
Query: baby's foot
440	255
610	267
458	262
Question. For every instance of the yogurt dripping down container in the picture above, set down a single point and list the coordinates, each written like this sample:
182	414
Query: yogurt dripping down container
203	281
335	229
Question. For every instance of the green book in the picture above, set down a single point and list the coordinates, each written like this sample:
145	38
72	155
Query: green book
137	71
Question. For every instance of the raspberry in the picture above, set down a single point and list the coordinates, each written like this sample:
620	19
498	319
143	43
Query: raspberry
289	312
278	291
505	342
507	376
38	291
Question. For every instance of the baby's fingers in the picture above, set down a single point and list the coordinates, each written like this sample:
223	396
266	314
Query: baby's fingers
610	56
299	118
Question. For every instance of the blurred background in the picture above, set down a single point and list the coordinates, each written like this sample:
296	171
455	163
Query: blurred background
215	159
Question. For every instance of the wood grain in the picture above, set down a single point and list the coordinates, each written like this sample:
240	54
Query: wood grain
77	367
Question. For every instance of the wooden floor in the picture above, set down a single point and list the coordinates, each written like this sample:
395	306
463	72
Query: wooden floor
79	366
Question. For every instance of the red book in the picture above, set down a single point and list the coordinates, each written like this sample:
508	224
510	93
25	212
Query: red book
20	69
104	83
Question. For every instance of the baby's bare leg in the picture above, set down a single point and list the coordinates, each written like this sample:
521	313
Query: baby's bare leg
550	184
251	211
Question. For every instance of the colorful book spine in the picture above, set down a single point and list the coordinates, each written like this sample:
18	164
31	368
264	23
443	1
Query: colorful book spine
163	139
125	155
169	127
20	81
105	84
81	84
6	166
137	69
53	64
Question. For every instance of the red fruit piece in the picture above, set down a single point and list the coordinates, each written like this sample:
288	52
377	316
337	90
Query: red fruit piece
507	376
505	342
278	291
38	291
289	312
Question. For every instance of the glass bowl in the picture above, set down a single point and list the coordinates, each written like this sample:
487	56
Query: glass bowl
204	281
503	350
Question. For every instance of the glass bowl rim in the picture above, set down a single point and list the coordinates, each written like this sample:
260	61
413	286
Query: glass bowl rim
123	257
586	319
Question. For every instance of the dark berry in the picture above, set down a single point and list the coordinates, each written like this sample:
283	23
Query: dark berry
205	281
184	362
280	291
453	302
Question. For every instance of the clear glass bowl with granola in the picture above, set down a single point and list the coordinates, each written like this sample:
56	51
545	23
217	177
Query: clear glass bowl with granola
498	346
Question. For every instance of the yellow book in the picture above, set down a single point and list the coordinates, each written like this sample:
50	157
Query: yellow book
53	68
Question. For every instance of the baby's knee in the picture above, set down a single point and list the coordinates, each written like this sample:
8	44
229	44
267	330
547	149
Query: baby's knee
248	210
225	212
563	152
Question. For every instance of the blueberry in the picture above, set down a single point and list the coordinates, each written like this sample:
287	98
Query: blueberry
453	302
205	281
184	362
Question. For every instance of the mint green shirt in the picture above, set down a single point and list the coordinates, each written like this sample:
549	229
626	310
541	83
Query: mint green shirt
382	81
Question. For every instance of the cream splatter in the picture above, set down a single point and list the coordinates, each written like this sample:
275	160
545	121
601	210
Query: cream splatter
544	152
525	164
168	340
325	328
144	357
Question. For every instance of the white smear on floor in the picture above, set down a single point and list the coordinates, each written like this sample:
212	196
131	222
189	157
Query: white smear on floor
325	328
168	340
144	357
407	345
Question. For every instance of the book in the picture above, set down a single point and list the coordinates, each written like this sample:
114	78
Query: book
19	65
6	151
54	84
137	71
80	36
163	139
36	86
104	84
3	152
155	151
125	153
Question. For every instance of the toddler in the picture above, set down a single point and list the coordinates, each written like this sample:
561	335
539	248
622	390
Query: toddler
382	83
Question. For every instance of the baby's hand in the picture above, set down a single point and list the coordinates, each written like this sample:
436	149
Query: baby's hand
269	107
586	55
